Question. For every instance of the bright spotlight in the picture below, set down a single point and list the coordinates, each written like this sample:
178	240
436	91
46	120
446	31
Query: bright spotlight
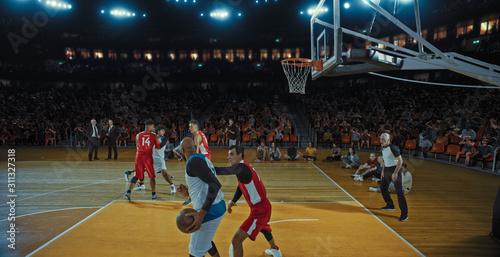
102	11
310	11
219	14
121	13
239	14
144	15
61	5
347	5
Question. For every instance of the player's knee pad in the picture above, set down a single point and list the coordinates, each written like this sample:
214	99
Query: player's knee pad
267	234
213	250
134	180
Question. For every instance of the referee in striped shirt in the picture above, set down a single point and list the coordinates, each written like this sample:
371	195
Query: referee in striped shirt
391	170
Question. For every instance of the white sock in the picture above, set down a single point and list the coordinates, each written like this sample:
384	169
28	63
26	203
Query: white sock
231	250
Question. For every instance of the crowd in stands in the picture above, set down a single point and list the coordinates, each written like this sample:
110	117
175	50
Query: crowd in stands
259	113
349	116
421	116
44	115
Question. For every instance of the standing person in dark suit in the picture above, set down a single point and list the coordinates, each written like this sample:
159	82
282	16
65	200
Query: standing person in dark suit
112	135
93	136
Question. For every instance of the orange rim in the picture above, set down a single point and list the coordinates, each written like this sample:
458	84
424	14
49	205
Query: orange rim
303	62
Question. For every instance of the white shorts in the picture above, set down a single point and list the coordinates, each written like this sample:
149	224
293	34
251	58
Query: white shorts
201	240
159	165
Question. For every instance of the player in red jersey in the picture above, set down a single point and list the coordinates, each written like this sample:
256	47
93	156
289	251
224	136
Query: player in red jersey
200	140
252	188
145	141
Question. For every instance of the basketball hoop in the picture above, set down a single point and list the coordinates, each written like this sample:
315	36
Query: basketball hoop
297	70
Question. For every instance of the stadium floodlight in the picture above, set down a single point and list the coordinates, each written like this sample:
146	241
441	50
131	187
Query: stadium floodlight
102	11
120	13
310	11
219	14
239	14
61	5
347	5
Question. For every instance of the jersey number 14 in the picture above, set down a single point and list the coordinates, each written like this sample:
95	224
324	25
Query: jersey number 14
145	140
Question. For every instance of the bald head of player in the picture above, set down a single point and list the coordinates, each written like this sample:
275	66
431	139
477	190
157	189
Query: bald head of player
385	139
187	147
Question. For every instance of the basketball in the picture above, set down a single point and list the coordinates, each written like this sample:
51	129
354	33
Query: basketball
184	222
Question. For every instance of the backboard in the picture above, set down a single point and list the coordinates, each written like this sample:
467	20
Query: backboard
333	43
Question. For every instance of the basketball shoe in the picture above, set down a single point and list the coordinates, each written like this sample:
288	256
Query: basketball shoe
154	197
140	187
127	196
273	252
127	174
172	189
388	208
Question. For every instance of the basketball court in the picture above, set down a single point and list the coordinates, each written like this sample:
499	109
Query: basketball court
66	204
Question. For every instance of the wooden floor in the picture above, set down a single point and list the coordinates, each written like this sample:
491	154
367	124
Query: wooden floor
450	208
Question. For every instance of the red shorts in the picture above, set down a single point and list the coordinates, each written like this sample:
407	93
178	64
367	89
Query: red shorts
258	220
144	162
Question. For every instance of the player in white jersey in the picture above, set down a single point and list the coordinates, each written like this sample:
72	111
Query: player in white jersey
158	162
204	189
159	157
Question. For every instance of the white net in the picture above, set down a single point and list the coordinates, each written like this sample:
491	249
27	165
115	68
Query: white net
297	72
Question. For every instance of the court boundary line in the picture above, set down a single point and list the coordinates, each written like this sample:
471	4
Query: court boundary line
69	229
65	189
404	240
63	209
